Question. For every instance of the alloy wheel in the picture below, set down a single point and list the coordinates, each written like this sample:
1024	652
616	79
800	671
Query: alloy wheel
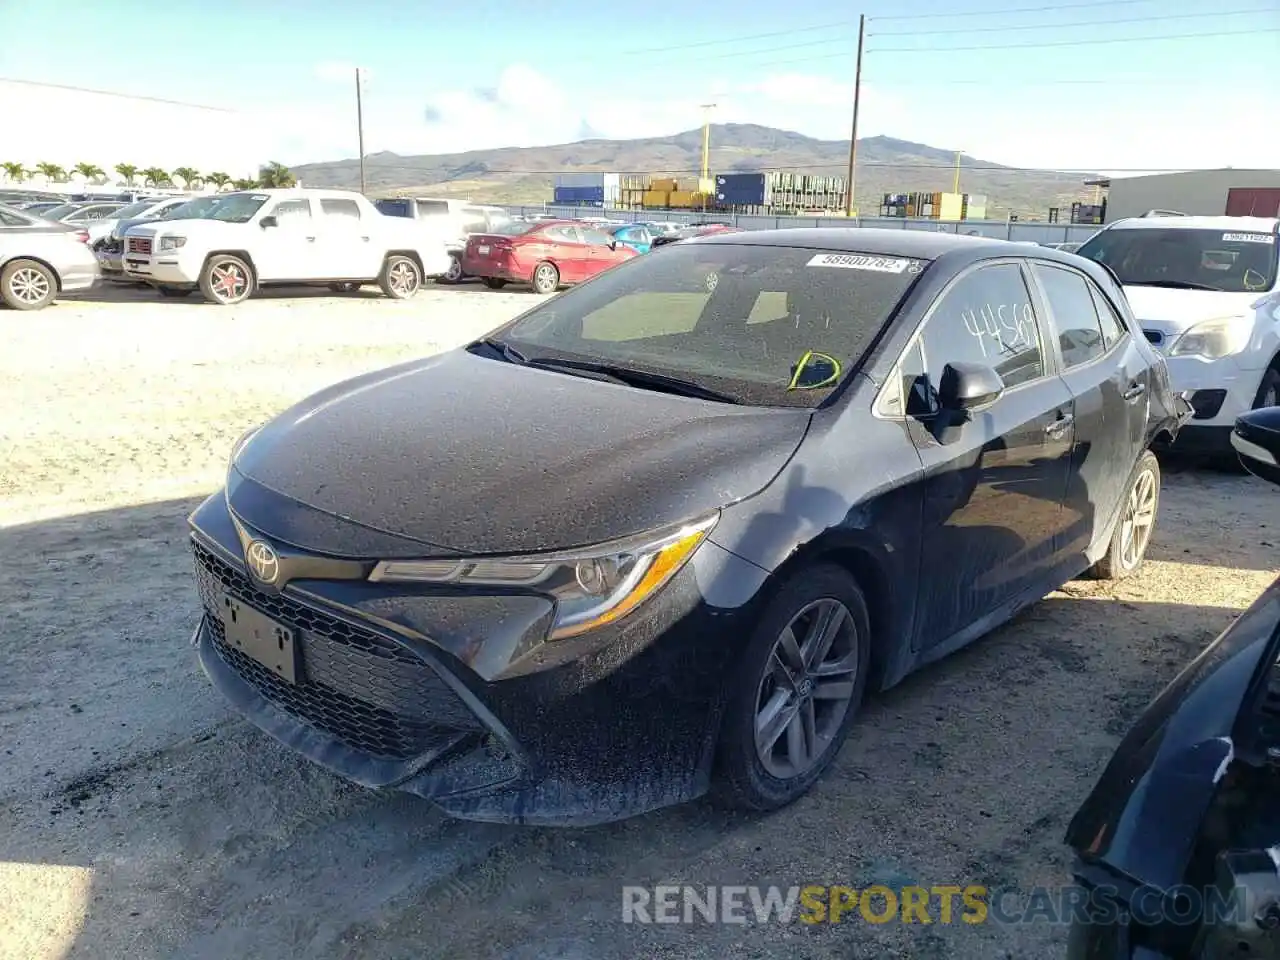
230	281
544	278
807	688
403	278
29	285
1139	519
454	273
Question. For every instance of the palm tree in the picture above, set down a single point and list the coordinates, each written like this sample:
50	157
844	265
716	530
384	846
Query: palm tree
16	172
90	171
127	172
189	176
154	176
51	172
276	174
218	179
245	184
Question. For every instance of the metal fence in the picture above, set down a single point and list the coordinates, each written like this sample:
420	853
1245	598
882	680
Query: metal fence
1017	231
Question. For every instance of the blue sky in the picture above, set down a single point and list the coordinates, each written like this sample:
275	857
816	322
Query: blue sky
445	77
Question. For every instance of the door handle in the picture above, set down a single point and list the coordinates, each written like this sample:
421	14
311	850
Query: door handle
365	239
1059	426
1135	391
311	239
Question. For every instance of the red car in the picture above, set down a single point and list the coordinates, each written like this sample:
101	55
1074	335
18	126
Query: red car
546	255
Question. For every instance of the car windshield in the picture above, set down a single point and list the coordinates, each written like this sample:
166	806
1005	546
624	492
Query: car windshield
191	209
61	210
134	209
233	208
766	325
1234	261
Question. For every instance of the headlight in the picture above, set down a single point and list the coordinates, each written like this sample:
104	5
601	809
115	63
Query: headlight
172	243
1213	339
591	587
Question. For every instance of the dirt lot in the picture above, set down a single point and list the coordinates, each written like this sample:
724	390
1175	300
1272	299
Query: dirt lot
139	818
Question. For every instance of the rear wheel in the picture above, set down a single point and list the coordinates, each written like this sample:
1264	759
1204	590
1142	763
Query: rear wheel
494	283
27	285
546	278
796	692
1132	535
401	278
226	280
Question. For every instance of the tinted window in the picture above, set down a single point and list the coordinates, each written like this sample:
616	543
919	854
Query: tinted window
432	208
394	208
1236	261
134	209
987	317
340	208
1113	327
760	323
1079	335
562	234
597	238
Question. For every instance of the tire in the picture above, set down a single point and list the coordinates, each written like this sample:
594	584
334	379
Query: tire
226	280
494	283
454	274
1268	394
345	287
546	278
27	285
1128	548
175	292
744	779
401	277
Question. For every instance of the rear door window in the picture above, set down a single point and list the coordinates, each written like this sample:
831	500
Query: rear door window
339	209
432	208
1080	336
562	234
1113	328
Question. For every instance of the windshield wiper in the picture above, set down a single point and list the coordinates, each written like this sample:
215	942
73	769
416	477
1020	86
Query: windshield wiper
1174	285
506	350
634	378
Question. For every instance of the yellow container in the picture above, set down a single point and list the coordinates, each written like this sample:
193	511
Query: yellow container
682	199
665	186
656	198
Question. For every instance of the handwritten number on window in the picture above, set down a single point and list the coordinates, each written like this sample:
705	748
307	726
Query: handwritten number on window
1008	327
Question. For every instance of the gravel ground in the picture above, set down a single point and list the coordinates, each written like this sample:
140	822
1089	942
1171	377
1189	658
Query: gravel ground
140	818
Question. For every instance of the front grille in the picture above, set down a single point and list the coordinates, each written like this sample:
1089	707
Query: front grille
140	245
1154	336
369	692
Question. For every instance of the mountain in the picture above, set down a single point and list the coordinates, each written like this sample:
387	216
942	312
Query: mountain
885	165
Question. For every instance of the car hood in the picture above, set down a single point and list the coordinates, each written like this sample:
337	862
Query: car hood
460	454
1145	813
1173	311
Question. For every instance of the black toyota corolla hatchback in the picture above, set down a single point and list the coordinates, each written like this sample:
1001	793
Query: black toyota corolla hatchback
662	533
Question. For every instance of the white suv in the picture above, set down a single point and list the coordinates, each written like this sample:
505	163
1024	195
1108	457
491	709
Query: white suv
295	236
1207	294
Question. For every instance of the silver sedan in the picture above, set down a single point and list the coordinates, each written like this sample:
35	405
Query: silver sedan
40	259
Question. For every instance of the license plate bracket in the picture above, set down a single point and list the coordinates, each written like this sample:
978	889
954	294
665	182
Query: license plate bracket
482	249
260	638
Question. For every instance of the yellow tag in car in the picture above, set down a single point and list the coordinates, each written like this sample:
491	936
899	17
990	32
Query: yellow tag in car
814	371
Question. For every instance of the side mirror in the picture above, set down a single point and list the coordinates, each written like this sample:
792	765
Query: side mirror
268	221
967	387
613	244
1256	439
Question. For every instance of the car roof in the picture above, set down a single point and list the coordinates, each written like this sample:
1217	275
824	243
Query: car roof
1179	222
921	244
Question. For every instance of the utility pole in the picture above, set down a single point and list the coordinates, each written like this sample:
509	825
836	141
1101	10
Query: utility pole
955	186
360	126
704	181
853	136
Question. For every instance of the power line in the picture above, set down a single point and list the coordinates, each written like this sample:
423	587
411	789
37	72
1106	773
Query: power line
1077	43
1001	13
112	93
1074	23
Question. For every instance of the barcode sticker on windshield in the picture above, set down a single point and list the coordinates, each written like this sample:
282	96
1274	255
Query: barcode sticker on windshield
854	261
1249	237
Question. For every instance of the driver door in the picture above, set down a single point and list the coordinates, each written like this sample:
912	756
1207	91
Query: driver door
288	251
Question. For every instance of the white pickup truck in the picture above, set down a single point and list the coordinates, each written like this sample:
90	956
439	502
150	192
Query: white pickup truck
254	238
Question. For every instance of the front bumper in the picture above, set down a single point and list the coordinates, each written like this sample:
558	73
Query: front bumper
1193	374
456	698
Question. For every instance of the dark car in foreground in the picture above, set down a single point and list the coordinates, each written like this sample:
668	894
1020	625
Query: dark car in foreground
1178	845
662	533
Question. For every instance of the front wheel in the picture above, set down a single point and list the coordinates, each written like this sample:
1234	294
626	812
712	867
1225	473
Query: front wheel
796	692
1132	535
454	273
494	283
226	280
401	278
546	278
27	285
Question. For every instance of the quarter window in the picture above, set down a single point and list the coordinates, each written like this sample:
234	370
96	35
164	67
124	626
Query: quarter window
1113	328
986	318
1075	316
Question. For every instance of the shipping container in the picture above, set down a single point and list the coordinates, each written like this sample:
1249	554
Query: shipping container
665	184
580	180
1088	212
682	199
1253	202
657	198
975	205
741	189
578	195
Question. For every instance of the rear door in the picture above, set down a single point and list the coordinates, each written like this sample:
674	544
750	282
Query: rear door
1108	379
566	247
345	242
993	486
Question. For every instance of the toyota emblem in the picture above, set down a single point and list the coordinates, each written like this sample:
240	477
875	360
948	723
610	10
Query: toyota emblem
263	561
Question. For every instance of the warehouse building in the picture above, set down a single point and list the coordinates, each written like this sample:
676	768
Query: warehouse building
102	128
1196	193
